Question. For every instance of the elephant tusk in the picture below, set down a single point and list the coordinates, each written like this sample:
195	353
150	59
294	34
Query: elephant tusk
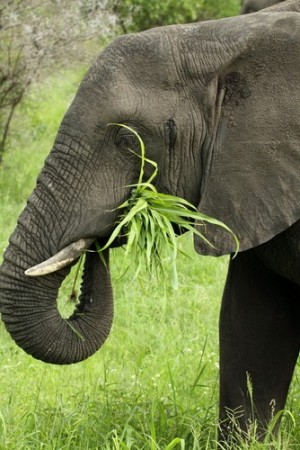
62	259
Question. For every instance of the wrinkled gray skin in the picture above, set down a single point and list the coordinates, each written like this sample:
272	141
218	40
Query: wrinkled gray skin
218	106
251	6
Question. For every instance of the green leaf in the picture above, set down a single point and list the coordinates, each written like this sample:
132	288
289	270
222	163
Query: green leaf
174	443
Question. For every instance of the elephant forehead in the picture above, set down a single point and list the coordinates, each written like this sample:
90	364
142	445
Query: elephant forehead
149	58
124	99
136	100
94	108
109	93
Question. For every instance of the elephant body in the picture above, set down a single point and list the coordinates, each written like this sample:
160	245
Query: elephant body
217	105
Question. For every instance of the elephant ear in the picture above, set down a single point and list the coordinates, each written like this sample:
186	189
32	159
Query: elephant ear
252	171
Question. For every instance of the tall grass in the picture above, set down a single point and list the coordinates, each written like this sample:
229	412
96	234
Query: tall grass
154	384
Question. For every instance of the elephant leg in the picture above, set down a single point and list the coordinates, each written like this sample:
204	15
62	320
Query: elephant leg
259	344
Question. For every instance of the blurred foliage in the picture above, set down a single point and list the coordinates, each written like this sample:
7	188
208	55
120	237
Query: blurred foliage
216	9
37	36
137	15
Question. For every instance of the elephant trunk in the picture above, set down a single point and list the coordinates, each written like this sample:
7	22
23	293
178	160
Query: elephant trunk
29	304
29	310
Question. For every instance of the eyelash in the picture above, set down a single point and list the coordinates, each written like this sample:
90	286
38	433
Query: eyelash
126	140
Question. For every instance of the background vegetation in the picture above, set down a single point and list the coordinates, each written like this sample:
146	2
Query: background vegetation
137	15
38	37
154	385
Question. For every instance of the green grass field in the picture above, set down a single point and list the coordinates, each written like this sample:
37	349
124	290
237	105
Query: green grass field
154	384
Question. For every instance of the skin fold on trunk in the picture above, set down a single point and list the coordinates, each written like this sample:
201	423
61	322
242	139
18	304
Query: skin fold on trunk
29	309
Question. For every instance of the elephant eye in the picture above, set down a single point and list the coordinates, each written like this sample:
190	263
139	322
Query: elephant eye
127	141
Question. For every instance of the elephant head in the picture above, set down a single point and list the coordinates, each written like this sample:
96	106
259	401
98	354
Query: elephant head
251	6
217	105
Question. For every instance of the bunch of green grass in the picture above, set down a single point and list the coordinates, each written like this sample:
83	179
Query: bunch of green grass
149	219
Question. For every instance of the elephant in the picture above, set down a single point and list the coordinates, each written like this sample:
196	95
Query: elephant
217	104
251	6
